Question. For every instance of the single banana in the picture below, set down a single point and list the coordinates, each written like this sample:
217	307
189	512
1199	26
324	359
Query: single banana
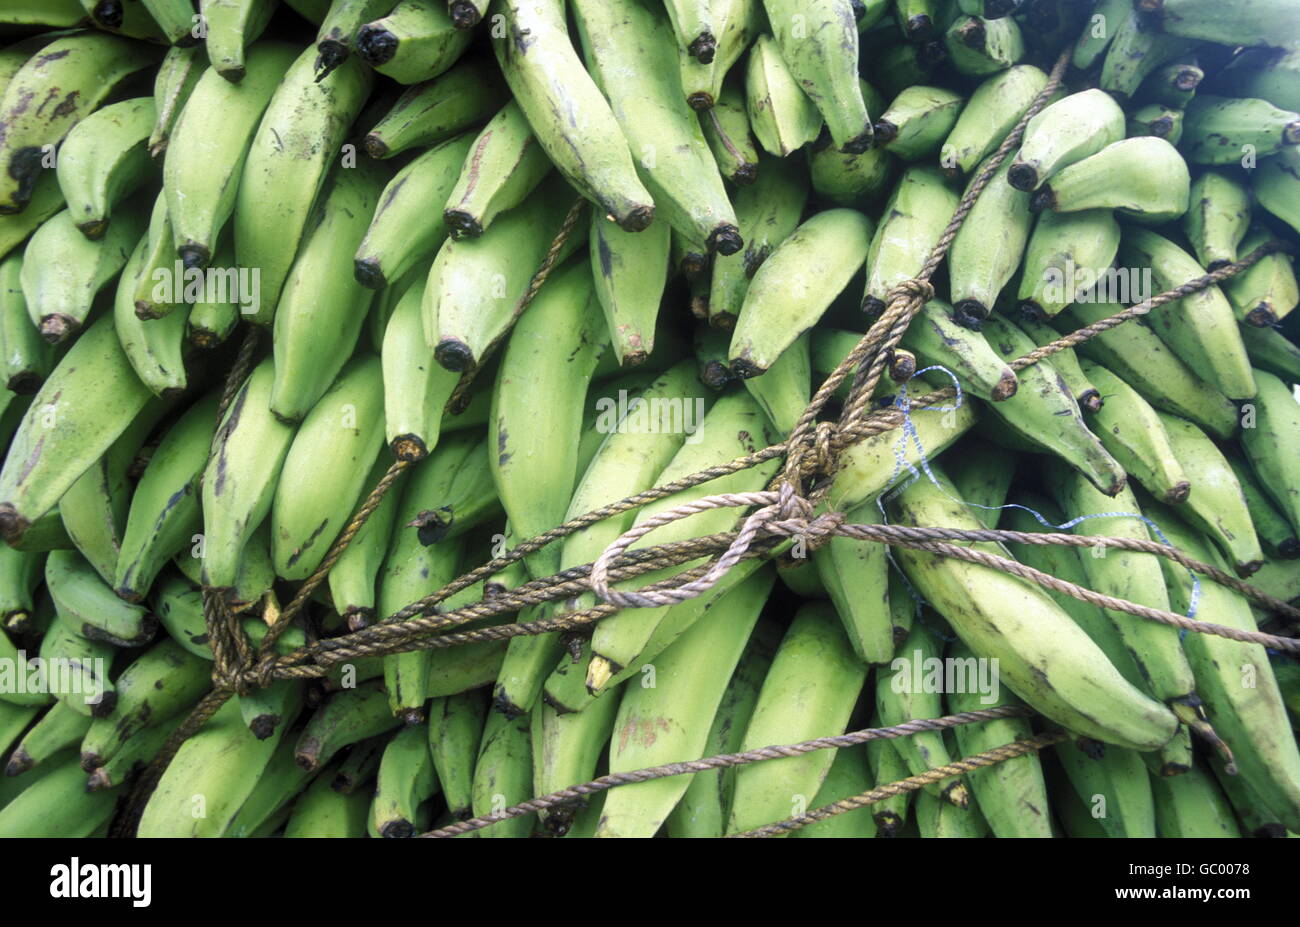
72	76
1135	52
1134	434
1137	355
57	805
988	249
89	399
177	77
917	121
1223	130
780	113
1143	178
1251	22
916	18
414	42
797	703
278	784
416	387
231	27
454	733
27	358
475	284
323	812
1172	85
467	14
1192	806
406	780
322	306
63	270
1064	133
886	766
1102	26
1272	351
738	23
1270	443
938	340
503	773
87	604
570	117
1113	785
240	478
339	32
87	688
155	347
287	163
1263	73
1200	328
566	749
20	573
796	285
630	270
1266	292
103	161
1044	657
915	217
1065	362
202	169
1271	526
346	717
501	167
353	579
1217	220
58	729
978	46
989	116
1277	186
726	128
982	473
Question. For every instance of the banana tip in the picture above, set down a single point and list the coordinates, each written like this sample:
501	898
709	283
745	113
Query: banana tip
108	13
1043	199
411	717
725	240
1178	493
12	525
194	256
1249	568
398	829
369	273
638	218
919	28
408	447
860	143
1091	401
93	229
745	174
462	224
263	726
599	673
884	132
25	382
376	45
19	763
454	355
744	369
375	146
700	100
970	313
58	327
464	14
358	618
703	47
1022	176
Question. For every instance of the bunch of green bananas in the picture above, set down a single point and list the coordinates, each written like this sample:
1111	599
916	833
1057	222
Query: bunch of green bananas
363	192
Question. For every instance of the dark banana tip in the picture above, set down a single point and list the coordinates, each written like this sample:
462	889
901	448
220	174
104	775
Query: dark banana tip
1188	78
332	53
263	726
934	53
1262	316
1006	386
1022	176
884	132
462	224
1217	265
902	365
25	382
970	313
919	28
723	320
700	101
714	374
398	829
454	355
997	9
872	306
1033	311
703	47
91	761
1162	127
1177	494
430	526
744	174
464	15
859	9
1271	829
1091	401
1249	568
109	14
307	756
12	525
408	447
98	781
411	716
357	618
194	256
861	143
1043	199
725	239
94	229
1291	134
973	34
745	369
638	218
375	146
234	75
694	264
104	707
145	311
888	824
376	45
1289	549
203	338
58	327
634	359
20	762
369	273
1093	749
1169	770
127	594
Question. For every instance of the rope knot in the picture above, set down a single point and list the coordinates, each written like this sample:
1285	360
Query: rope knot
910	290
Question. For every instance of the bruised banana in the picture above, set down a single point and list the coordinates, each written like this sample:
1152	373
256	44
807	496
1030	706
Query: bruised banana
1223	130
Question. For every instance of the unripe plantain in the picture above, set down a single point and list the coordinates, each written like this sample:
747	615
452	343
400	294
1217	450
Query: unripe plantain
1063	133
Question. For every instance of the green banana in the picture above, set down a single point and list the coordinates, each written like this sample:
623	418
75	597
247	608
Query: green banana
671	154
916	18
1192	806
398	240
1044	657
989	115
1173	85
1271	526
46	201
1156	120
1064	133
692	26
768	212
1138	356
177	77
156	347
103	161
665	718
164	511
937	339
353	579
1067	254
501	167
797	703
269	710
1223	130
1134	434
26	357
572	120
1143	178
56	805
978	46
358	767
796	285
75	72
343	719
339	32
982	474
20	573
175	18
406	780
847	776
321	480
1135	52
87	605
212	320
214	773
917	121
232	26
1264	73
846	180
1065	362
503	773
158	685
63	270
733	427
1252	22
202	168
47	13
1277	186
323	812
58	729
1241	694
455	732
1201	327
1011	796
1269	443
988	249
1272	351
935	818
299	137
783	391
726	128
1113	785
886	766
240	478
915	217
630	270
279	783
87	402
1266	292
1255	819
780	113
81	671
566	749
736	23
416	387
1217	505
1218	218
178	603
463	317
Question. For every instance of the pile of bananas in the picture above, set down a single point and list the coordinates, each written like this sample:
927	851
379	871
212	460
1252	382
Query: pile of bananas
176	177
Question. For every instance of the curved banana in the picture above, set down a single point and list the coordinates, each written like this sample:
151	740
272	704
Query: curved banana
177	77
416	41
339	30
915	217
231	27
917	121
87	605
25	357
989	116
630	270
103	161
1144	178
155	347
1064	133
988	248
780	113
